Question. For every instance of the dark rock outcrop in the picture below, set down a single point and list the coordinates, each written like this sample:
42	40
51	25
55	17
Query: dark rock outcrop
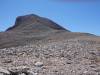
33	22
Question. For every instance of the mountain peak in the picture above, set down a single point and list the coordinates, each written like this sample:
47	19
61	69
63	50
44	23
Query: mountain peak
34	22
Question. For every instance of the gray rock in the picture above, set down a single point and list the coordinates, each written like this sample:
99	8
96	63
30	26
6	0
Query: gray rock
31	73
39	64
19	69
4	71
21	74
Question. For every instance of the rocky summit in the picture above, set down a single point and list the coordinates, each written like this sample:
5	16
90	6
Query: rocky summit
34	23
38	46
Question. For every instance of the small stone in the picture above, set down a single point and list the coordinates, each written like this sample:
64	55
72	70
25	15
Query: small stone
19	69
93	66
85	72
98	73
21	74
7	61
4	71
31	73
38	64
1	73
69	62
97	70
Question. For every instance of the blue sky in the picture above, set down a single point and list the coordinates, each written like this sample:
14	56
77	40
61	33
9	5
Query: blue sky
75	16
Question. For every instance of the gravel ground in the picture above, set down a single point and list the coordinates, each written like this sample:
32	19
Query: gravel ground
66	57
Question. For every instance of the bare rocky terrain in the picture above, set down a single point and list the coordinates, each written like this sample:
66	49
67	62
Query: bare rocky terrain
38	46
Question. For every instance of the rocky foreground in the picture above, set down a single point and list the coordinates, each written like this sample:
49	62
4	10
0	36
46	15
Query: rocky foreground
51	52
66	57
